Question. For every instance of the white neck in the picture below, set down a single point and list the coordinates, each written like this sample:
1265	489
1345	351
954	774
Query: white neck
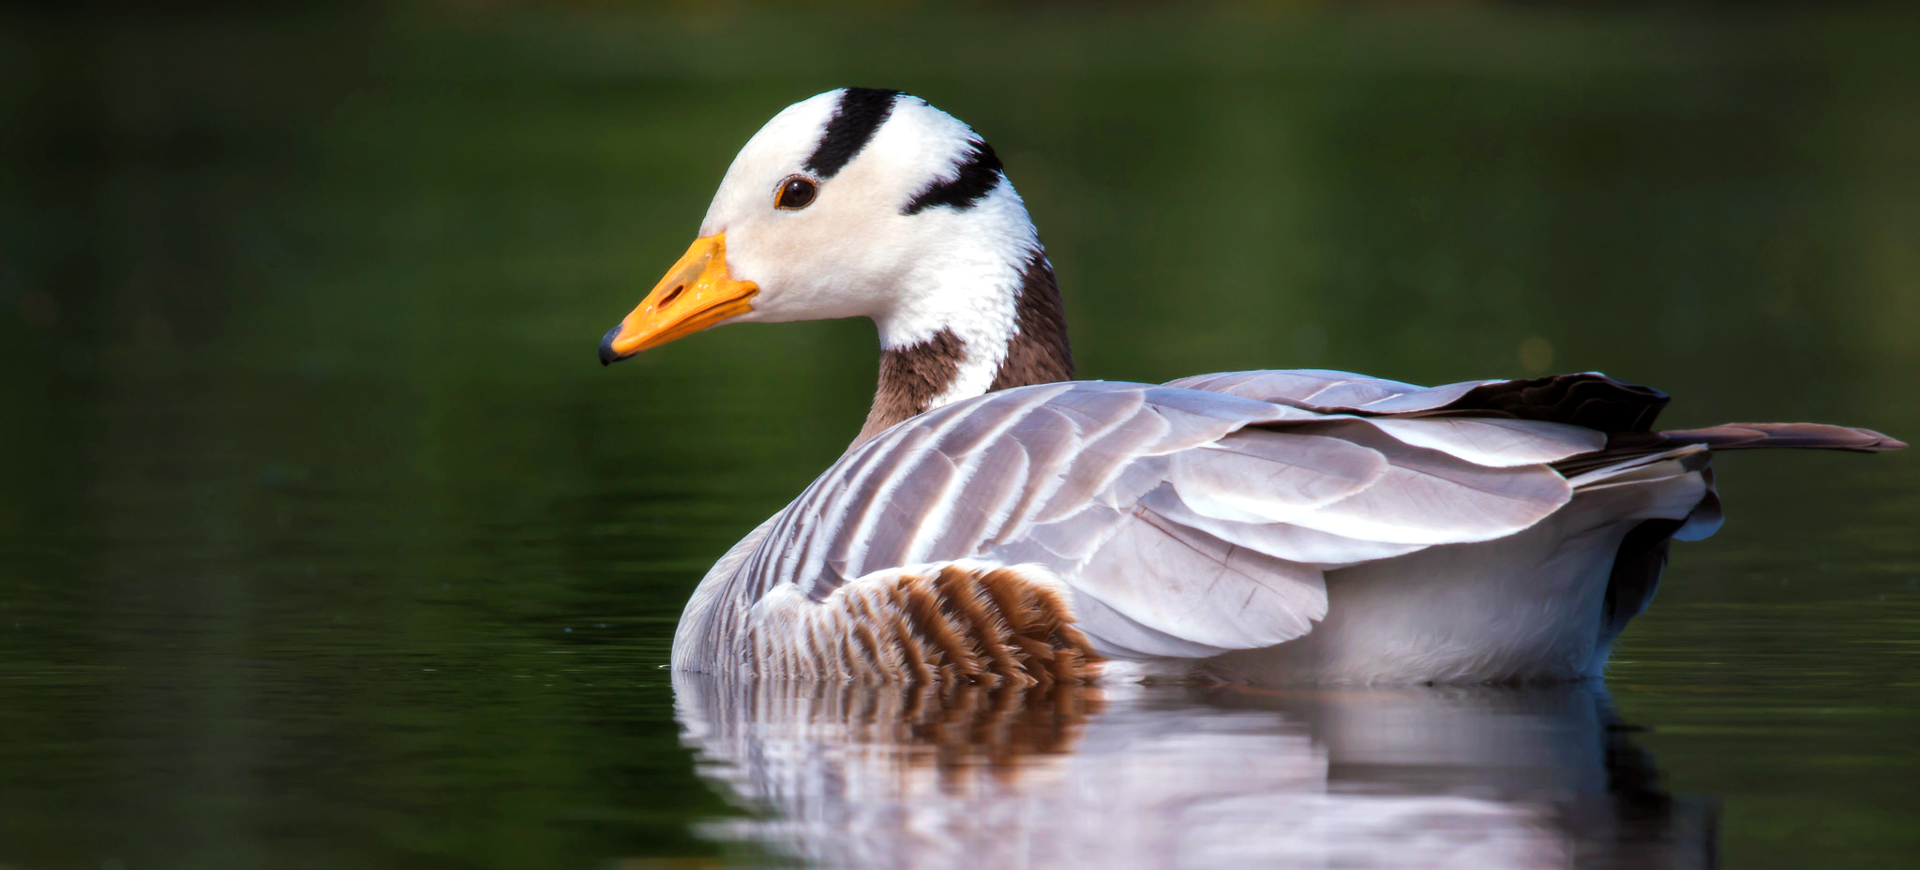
969	288
924	373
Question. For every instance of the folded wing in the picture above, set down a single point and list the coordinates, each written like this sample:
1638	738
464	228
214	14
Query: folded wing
1186	520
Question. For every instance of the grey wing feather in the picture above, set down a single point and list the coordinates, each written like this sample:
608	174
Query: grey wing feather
1188	519
1587	399
1324	390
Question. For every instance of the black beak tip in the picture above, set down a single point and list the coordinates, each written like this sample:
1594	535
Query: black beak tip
609	356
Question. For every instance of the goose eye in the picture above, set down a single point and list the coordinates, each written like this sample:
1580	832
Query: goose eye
795	194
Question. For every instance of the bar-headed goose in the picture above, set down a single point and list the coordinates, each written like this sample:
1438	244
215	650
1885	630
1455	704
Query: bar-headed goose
996	521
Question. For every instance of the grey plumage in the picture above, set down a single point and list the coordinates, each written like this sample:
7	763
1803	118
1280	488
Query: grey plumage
1203	516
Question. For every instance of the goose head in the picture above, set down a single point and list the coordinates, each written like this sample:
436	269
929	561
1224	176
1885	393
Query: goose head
872	203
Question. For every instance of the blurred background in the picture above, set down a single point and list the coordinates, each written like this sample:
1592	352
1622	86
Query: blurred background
325	540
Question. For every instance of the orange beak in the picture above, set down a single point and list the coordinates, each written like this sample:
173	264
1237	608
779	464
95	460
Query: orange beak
696	293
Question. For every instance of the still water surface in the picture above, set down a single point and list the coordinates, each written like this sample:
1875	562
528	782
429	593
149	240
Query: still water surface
325	543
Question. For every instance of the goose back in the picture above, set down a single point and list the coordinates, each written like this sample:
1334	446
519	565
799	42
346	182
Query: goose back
1191	518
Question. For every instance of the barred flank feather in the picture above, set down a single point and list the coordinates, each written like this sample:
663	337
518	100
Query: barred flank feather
955	623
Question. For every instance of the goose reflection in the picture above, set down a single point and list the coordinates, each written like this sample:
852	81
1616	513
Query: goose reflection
1068	776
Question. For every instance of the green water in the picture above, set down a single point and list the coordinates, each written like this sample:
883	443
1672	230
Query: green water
325	542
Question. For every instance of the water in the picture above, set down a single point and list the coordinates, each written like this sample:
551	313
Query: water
324	542
1181	777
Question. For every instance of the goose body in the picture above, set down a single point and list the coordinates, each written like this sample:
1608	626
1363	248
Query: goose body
996	521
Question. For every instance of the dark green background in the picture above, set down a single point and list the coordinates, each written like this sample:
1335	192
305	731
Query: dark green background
324	540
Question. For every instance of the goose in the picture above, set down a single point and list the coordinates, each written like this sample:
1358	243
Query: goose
997	522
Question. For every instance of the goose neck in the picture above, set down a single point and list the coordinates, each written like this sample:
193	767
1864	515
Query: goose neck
1013	336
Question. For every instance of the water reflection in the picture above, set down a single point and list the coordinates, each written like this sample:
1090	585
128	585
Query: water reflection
896	777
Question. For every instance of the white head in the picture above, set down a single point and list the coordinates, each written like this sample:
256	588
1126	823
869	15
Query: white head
861	203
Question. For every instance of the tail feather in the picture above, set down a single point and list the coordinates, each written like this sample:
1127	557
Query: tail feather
1627	446
1750	436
